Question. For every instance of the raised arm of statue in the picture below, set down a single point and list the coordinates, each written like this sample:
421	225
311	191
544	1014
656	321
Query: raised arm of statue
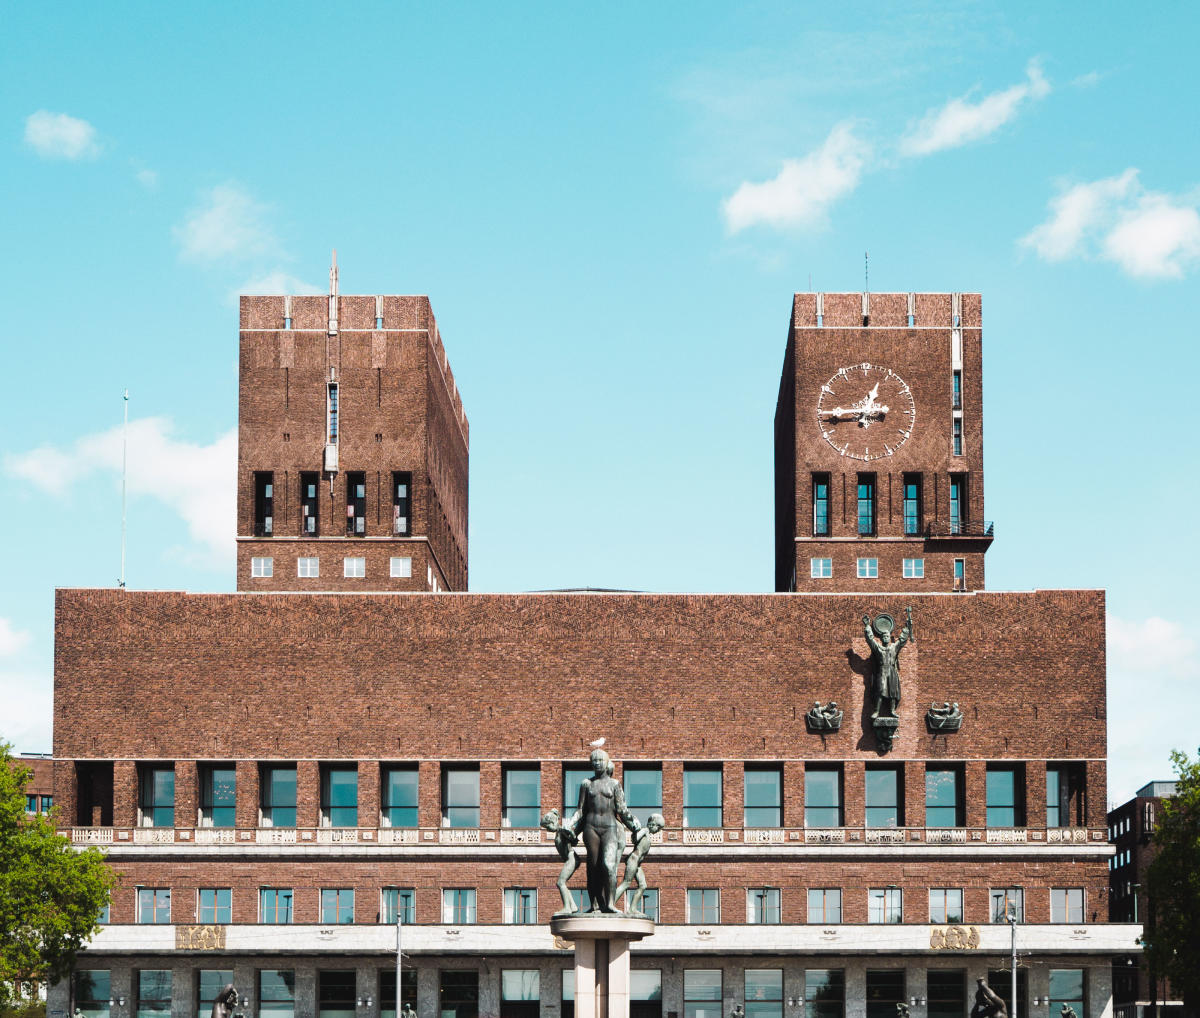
872	639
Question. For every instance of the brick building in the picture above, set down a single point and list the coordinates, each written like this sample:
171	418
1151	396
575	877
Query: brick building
279	775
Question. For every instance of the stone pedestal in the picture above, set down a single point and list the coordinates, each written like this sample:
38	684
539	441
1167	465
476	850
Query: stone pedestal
601	959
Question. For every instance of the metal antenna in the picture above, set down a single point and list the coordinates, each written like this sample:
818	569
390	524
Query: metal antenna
124	464
867	271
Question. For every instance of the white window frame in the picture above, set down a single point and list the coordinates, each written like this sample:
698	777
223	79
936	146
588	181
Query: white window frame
262	567
400	566
312	562
816	567
353	562
913	568
868	568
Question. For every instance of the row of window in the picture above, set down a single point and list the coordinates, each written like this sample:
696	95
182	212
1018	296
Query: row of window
867	502
310	500
868	569
353	567
703	795
39	803
520	905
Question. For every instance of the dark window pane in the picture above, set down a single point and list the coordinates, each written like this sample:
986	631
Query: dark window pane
400	796
764	797
522	796
643	790
701	797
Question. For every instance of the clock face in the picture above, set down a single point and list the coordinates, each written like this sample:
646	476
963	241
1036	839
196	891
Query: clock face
866	411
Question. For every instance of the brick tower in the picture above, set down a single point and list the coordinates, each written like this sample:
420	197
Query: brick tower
352	447
879	444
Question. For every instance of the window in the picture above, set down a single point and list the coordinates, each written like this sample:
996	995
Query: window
957	435
1064	795
573	777
645	993
868	568
264	501
458	905
339	796
458	993
1066	905
399	790
701	796
947	993
337	905
93	991
401	503
884	905
520	905
401	566
276	993
762	905
703	905
823	797
522	796
866	505
154	993
568	993
262	567
354	567
1004	787
820	493
31	804
275	905
650	903
520	993
460	797
763	792
218	795
1003	978
278	792
583	900
214	905
820	568
958	503
1006	899
885	989
912	504
825	993
914	568
884	797
310	504
356	504
945	905
643	790
336	994
764	993
956	390
157	797
104	919
943	797
332	406
209	984
824	905
702	993
392	899
960	574
1066	987
308	567
387	990
154	905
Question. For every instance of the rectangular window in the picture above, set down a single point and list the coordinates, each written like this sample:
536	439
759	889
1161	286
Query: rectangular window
402	503
764	993
278	793
945	905
573	777
702	993
958	503
458	906
458	995
866	505
104	918
337	905
583	900
520	905
1066	905
960	574
884	798
308	567
218	795
1003	978
520	993
157	797
1066	987
914	568
460	797
823	796
947	993
209	984
154	905
31	804
885	989
356	504
387	990
522	796
153	993
650	903
399	792
820	568
336	994
339	796
912	504
957	435
643	790
275	905
820	495
763	793
262	567
825	993
392	899
1005	900
762	905
354	567
264	504
703	905
956	390
943	797
401	566
93	991
1065	805
824	905
645	994
868	568
310	504
276	993
884	905
332	408
214	905
702	796
1005	808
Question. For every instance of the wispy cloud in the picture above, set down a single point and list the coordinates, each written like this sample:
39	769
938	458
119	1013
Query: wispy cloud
59	136
277	282
11	638
147	178
1148	234
227	224
799	195
961	121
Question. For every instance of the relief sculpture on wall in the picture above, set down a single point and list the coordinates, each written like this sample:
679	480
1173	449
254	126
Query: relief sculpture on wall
885	676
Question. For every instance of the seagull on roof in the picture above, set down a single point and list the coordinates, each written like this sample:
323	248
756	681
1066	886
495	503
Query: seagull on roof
597	743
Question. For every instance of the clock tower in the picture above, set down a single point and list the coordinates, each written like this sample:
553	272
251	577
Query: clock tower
879	444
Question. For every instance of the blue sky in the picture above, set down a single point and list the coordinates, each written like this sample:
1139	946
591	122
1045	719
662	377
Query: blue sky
610	211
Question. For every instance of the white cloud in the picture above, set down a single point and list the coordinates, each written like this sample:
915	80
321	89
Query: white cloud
799	195
59	136
198	482
277	282
1089	80
961	121
228	224
147	178
1148	234
11	638
28	699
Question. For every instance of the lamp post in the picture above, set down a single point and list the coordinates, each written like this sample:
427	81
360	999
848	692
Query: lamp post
1012	923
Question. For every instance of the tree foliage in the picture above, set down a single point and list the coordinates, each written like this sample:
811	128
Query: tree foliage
51	895
1172	936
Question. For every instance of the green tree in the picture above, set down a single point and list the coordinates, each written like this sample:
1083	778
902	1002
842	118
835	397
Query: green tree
50	894
1172	934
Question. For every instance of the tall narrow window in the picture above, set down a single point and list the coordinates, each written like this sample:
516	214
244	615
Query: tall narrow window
208	988
943	797
336	994
820	496
573	776
399	788
93	991
402	503
522	796
333	413
154	993
702	993
218	795
1064	795
885	989
643	790
912	504
957	434
884	797
960	574
310	504
764	993
866	504
763	797
276	992
823	797
958	503
460	797
356	504
458	993
264	504
339	796
702	797
520	993
825	992
157	797
948	992
1066	987
645	993
1005	787
956	390
277	786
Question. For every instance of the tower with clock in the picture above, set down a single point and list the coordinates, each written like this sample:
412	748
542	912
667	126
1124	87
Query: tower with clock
879	444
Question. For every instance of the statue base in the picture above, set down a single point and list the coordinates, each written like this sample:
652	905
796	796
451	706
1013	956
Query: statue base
885	731
601	959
